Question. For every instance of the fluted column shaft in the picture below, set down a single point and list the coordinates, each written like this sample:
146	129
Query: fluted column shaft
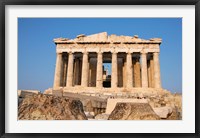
84	79
70	70
137	73
152	72
114	79
76	72
129	71
157	79
144	70
99	82
57	76
149	73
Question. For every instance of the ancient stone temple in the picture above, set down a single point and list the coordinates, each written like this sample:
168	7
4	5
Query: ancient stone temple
134	63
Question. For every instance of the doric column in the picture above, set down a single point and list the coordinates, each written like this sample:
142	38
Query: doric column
76	72
65	71
149	73
120	72
99	81
114	79
144	70
89	73
157	79
80	72
152	72
84	79
70	69
57	76
129	71
137	74
124	74
93	72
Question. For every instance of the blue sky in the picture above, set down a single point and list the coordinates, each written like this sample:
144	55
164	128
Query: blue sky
37	51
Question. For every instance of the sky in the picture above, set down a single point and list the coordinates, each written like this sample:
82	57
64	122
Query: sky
37	51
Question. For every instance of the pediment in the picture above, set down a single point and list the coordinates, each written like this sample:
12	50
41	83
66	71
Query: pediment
103	37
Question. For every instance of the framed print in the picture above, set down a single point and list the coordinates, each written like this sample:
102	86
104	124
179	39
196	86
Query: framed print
103	69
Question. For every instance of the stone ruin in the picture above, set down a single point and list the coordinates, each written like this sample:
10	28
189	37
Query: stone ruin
135	75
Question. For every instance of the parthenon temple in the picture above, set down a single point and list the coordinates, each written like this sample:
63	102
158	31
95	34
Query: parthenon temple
80	63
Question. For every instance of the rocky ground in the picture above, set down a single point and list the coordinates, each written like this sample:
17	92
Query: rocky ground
133	111
37	106
47	107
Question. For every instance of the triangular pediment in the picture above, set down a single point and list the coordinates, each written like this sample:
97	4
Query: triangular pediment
104	38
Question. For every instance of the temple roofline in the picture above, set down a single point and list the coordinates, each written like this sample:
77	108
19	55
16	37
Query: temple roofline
103	38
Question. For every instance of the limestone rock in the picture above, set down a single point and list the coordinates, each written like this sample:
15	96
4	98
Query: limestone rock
22	93
111	103
133	111
102	116
175	115
48	91
163	112
48	107
89	115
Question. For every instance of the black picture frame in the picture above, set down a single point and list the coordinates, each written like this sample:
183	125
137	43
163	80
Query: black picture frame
99	2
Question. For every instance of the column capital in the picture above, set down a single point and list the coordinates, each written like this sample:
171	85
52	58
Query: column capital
114	52
99	52
128	52
85	52
156	53
70	52
143	52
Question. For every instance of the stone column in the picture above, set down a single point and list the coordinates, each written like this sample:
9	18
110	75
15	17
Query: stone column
57	76
89	72
99	81
137	74
129	71
152	72
93	69
80	72
114	79
144	70
124	74
149	73
64	71
76	71
157	79
120	72
84	79
133	71
70	69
